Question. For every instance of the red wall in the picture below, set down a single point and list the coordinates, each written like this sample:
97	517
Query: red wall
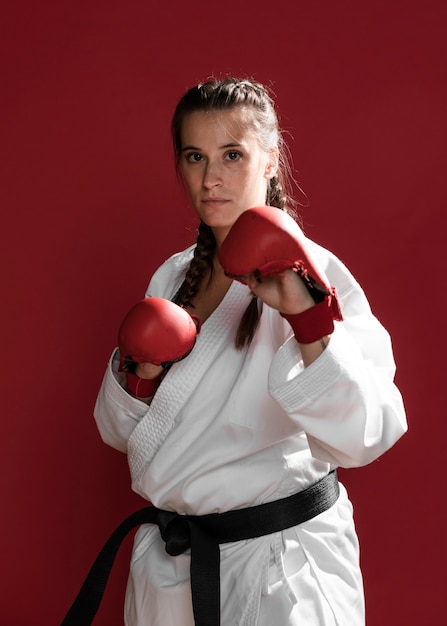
90	206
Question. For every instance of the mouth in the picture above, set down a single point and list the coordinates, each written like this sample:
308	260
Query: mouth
212	201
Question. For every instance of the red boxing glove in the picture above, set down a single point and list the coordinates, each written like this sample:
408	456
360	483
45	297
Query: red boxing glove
265	241
156	331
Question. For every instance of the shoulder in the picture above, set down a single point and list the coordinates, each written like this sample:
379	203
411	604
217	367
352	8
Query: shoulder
338	274
169	276
352	296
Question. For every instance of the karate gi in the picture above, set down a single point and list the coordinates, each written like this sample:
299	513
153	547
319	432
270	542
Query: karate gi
230	429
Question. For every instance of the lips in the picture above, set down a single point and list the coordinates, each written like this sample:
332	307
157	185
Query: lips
214	200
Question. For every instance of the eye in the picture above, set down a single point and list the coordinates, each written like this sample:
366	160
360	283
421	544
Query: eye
193	157
234	155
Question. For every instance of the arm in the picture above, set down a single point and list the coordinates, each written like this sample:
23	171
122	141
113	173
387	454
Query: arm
340	392
117	411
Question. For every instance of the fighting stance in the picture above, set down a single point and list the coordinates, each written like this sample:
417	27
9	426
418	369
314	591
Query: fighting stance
252	369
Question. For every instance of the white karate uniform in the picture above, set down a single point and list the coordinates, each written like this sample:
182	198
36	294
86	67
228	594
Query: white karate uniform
229	429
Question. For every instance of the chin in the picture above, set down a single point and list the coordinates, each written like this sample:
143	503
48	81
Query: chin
215	222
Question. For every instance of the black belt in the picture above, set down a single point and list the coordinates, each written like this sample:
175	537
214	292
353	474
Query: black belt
203	534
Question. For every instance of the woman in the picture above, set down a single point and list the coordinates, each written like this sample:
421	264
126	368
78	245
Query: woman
250	415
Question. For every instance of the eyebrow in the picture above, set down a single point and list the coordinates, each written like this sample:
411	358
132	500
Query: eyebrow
224	147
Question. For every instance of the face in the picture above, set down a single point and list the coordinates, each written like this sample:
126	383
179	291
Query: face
223	167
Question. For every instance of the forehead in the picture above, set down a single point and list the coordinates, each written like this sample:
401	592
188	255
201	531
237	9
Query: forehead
220	127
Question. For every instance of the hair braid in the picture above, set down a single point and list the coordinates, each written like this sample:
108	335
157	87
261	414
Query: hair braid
275	194
201	262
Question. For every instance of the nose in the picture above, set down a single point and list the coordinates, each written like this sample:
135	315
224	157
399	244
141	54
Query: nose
212	175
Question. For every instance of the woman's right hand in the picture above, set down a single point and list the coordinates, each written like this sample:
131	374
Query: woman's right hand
154	334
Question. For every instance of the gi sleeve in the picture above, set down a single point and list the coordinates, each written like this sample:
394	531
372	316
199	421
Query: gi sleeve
346	400
116	412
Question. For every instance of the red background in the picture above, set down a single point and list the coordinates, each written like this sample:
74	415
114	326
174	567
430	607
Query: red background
91	205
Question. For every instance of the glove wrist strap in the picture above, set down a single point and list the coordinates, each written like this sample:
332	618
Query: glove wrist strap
312	324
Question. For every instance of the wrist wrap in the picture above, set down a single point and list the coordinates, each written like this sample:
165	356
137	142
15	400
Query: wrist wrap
141	387
312	324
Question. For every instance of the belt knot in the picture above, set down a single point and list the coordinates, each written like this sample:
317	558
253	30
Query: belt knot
175	531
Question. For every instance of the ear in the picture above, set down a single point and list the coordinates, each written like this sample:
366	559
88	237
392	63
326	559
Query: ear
272	165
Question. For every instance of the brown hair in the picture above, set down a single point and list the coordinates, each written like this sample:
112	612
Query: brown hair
220	95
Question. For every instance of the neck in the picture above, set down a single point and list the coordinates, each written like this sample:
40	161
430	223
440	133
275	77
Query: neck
219	235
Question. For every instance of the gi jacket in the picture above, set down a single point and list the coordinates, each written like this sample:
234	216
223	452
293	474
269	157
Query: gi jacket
231	428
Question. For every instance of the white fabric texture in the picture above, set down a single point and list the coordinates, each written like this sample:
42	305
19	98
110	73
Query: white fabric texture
229	429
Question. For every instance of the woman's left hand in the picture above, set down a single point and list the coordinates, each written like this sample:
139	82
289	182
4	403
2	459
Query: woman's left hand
285	291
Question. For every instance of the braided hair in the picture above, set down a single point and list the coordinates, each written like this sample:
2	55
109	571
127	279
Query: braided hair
227	94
